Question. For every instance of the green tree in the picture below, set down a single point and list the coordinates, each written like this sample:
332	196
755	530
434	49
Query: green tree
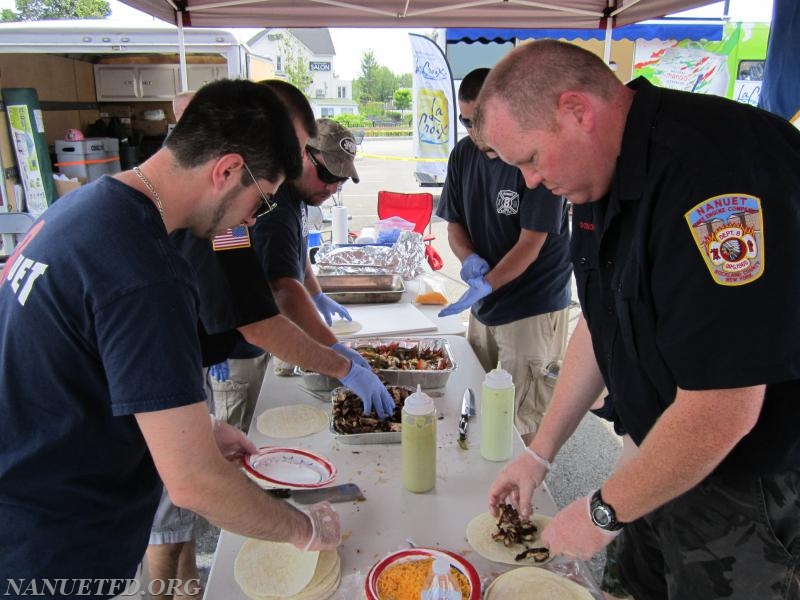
367	82
44	10
404	80
295	64
385	84
402	99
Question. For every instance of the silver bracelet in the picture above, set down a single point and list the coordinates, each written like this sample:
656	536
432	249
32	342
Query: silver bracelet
542	461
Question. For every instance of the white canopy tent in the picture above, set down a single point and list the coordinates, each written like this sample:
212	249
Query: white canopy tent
590	14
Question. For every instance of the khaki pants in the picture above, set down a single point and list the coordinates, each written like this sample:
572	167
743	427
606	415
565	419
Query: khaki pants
531	350
235	399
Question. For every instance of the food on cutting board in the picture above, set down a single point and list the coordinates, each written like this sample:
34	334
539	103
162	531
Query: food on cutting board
431	298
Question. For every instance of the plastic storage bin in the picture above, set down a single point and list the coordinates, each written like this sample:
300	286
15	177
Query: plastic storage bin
89	159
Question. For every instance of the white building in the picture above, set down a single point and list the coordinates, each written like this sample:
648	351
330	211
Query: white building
329	95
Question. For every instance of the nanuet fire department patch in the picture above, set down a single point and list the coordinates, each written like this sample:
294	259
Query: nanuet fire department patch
728	230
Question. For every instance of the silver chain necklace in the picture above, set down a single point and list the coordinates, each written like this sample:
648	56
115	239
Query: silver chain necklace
151	189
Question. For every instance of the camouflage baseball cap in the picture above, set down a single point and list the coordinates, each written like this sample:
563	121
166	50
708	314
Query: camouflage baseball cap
337	146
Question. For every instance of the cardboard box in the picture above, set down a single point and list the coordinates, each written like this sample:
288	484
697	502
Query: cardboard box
63	186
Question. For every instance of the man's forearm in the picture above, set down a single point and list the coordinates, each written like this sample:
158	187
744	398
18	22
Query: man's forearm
279	336
690	439
517	259
295	303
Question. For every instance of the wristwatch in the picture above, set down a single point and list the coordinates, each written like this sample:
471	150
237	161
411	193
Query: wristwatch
602	514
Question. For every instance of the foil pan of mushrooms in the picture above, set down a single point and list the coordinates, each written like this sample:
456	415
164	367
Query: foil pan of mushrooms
350	425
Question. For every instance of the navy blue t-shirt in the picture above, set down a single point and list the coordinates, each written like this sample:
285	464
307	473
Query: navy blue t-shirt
490	200
280	237
98	318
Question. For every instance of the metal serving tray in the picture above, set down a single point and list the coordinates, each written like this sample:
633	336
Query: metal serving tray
362	289
372	437
316	382
412	377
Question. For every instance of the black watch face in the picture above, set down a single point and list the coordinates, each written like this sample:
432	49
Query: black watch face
601	516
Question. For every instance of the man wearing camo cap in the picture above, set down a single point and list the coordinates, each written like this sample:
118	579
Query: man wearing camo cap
280	239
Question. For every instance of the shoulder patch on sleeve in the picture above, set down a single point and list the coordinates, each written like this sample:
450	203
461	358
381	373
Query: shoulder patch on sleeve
728	231
235	237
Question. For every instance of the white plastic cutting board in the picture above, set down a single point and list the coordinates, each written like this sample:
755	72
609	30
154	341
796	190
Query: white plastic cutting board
388	319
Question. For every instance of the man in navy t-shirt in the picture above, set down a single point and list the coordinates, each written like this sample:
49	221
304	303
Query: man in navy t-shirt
100	371
513	243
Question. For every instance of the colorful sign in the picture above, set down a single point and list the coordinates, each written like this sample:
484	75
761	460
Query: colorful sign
434	106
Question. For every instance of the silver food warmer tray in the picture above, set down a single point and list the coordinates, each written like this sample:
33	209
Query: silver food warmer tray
371	437
362	289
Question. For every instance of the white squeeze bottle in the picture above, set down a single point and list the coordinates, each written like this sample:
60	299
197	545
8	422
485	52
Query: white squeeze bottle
418	442
497	415
440	584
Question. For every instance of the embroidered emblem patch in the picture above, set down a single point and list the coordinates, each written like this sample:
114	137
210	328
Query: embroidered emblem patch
507	202
728	231
233	238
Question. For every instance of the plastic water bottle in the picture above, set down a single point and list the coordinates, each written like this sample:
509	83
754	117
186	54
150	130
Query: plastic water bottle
440	584
418	442
497	415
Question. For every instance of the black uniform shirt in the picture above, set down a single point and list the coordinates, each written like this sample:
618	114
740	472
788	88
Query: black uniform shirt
280	237
688	272
233	293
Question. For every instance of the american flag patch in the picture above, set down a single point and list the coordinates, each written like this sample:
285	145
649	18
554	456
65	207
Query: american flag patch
236	237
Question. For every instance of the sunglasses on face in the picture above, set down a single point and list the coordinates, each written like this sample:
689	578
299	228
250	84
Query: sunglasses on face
323	174
464	121
265	203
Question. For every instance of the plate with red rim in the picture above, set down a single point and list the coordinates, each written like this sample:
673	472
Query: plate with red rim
294	468
411	554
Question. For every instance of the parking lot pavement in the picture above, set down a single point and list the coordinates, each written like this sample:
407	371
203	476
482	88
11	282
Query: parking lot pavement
588	457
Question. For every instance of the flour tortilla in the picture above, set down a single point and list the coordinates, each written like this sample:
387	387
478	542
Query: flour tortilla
323	584
273	569
535	584
479	536
296	420
345	327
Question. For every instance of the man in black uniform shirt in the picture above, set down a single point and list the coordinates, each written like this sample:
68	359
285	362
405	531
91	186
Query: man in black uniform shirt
280	238
685	251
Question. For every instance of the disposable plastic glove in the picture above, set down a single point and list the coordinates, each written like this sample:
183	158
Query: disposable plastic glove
478	288
516	483
326	530
369	388
473	266
354	356
220	371
329	307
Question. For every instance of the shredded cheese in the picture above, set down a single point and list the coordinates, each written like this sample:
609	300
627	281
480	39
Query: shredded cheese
405	580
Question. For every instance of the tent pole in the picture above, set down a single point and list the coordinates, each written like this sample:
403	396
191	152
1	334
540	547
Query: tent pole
182	52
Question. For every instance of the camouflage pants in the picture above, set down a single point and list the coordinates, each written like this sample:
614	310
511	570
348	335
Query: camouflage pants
727	538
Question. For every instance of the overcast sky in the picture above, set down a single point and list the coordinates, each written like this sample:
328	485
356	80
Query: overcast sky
392	48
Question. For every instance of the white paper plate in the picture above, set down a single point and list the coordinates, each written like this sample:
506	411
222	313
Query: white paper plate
289	468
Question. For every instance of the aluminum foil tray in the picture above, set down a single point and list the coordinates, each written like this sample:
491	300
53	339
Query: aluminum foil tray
362	289
372	437
412	377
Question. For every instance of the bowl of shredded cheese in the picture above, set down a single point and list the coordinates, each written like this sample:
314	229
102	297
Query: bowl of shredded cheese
401	575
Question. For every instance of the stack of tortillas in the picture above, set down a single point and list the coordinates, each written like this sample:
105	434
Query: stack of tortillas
532	583
294	420
271	570
479	536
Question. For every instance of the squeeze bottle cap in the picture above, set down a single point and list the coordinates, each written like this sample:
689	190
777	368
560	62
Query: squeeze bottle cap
498	378
418	403
441	566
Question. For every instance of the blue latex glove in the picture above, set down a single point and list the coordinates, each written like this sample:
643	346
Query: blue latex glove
473	266
478	288
369	388
328	308
353	355
220	371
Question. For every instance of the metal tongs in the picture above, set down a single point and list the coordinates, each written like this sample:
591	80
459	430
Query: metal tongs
467	411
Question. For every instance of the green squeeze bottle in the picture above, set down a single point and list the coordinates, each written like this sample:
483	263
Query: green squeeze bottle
418	442
497	415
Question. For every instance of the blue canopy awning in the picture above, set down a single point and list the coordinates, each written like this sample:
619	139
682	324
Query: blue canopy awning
647	31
